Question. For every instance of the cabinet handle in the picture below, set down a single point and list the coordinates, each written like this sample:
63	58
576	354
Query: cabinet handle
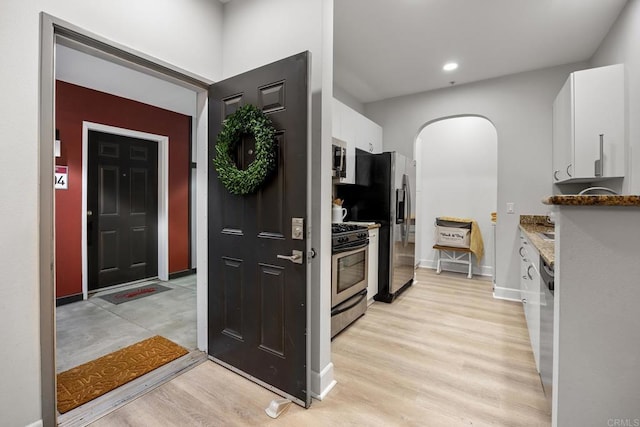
520	251
569	173
528	272
597	165
555	175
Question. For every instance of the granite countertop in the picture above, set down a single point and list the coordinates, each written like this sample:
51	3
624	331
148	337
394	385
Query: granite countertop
592	200
531	225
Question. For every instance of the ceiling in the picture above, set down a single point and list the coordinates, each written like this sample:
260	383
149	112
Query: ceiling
389	48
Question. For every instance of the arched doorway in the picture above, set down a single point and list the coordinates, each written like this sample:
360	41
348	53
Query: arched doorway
457	175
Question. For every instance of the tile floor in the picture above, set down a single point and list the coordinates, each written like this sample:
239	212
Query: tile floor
93	328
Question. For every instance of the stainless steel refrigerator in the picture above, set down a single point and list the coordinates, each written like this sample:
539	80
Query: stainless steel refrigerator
385	192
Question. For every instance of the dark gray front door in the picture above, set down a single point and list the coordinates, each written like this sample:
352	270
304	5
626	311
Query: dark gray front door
257	302
122	209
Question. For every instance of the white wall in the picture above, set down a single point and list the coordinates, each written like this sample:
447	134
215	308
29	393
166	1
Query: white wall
149	26
346	98
256	33
457	170
621	46
519	106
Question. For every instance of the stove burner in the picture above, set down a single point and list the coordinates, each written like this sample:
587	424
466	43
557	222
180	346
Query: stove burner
343	228
348	236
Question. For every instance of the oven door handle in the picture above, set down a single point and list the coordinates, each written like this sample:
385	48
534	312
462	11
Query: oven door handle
364	244
362	294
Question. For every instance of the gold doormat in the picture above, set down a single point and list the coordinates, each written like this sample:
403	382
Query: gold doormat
93	379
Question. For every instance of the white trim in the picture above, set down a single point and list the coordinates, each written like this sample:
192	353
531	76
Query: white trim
508	294
202	203
322	381
163	195
308	237
485	270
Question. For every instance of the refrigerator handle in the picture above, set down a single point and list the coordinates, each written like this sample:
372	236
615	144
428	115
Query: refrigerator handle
409	201
407	210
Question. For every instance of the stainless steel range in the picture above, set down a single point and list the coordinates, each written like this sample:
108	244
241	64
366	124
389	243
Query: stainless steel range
349	279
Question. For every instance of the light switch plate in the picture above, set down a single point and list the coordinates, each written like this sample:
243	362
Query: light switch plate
510	207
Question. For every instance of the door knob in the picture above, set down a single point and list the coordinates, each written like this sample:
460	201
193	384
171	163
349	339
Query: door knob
295	257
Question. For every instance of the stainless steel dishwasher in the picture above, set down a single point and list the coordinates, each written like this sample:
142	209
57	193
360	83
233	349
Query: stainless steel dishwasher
546	328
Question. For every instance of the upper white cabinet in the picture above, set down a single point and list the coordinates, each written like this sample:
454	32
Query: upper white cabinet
588	126
358	132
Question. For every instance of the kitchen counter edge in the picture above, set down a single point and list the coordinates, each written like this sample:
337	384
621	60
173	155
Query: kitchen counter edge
592	200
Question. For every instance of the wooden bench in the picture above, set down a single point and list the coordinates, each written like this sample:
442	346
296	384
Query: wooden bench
454	255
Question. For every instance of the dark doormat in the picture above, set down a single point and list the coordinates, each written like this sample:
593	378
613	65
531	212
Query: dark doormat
134	293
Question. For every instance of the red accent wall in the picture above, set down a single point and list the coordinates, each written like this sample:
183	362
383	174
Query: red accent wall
75	104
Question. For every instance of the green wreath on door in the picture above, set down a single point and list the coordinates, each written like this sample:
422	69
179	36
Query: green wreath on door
247	119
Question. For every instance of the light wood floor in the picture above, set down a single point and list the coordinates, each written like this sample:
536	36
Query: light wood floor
445	353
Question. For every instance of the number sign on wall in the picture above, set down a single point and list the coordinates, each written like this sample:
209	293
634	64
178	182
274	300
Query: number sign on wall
61	176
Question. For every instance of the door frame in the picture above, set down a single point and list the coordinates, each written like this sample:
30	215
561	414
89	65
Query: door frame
52	31
163	195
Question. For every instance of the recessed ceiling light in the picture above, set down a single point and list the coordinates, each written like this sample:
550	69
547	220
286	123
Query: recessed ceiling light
450	66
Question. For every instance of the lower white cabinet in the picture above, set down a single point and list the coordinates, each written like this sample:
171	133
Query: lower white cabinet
372	272
530	292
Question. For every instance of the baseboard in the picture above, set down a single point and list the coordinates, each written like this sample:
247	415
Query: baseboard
322	382
35	424
182	273
483	270
68	299
508	294
427	263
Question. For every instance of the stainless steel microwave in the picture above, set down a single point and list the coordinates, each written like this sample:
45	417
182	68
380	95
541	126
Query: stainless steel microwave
339	162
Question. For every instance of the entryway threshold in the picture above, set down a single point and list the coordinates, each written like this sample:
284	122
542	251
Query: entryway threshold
101	406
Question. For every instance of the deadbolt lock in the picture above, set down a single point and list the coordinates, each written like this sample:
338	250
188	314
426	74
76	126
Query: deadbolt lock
297	228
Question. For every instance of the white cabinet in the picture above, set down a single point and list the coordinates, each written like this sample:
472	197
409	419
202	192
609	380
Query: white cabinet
530	292
368	135
588	126
357	131
372	272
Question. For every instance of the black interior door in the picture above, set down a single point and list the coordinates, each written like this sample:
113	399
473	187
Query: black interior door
257	301
122	209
